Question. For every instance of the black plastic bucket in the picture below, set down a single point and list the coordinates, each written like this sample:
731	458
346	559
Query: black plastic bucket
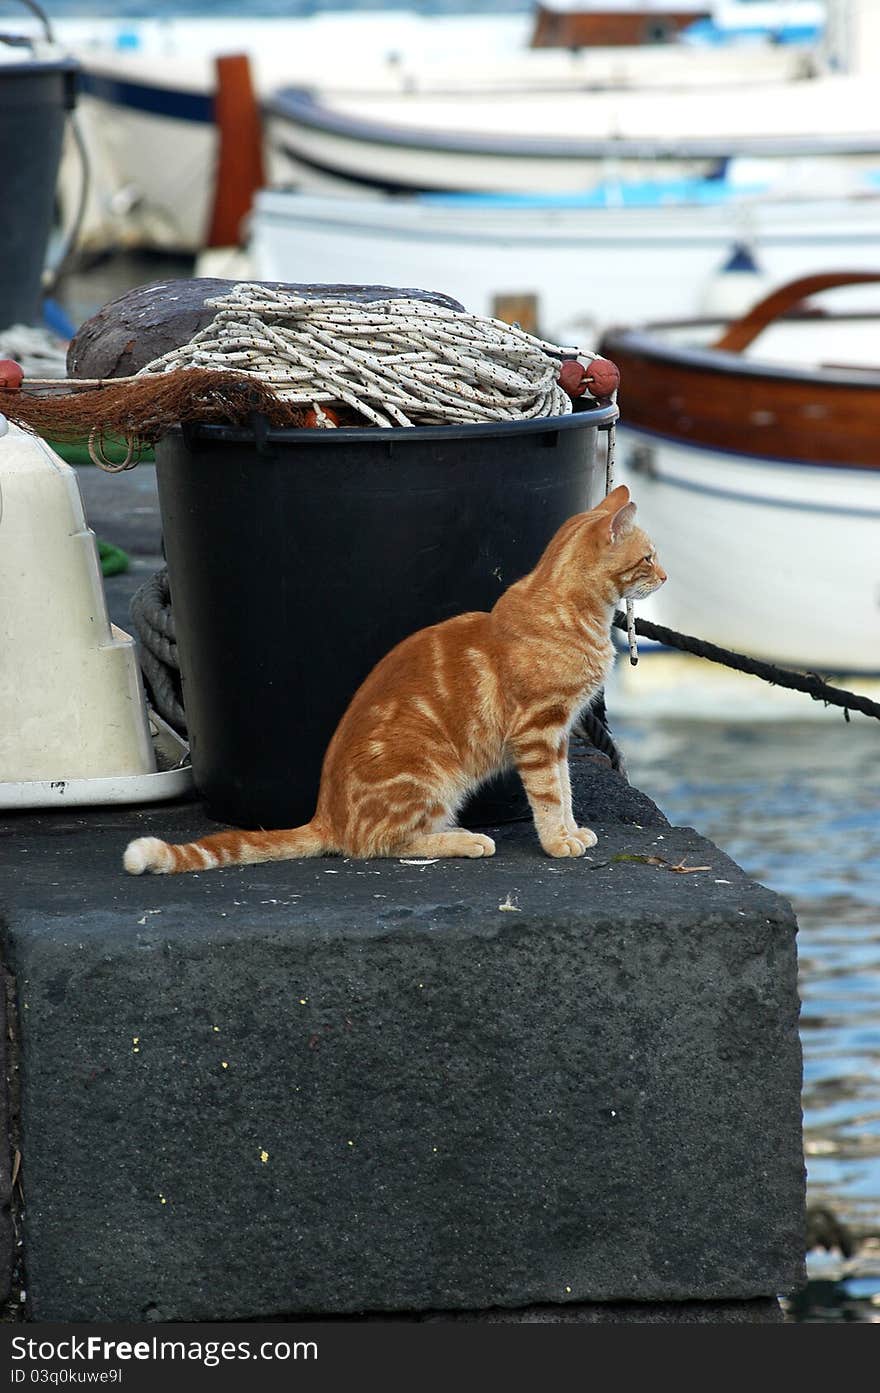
34	99
298	558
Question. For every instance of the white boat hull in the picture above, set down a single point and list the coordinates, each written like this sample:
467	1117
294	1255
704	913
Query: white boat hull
150	183
152	175
534	141
670	686
587	267
779	561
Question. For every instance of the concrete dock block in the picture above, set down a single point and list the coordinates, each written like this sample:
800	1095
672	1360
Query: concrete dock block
8	1106
340	1087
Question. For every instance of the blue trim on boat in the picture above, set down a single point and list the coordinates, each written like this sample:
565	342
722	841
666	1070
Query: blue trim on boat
356	177
612	193
741	259
156	101
56	319
714	34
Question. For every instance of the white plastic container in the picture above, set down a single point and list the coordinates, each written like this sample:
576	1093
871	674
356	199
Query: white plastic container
73	713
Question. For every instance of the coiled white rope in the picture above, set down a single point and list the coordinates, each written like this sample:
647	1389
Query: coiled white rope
397	362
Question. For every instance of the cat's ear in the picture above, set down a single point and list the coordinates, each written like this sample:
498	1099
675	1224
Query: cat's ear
621	521
614	500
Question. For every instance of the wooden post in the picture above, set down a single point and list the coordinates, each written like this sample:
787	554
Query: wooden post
240	155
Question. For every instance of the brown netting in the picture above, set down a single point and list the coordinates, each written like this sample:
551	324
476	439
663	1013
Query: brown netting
143	408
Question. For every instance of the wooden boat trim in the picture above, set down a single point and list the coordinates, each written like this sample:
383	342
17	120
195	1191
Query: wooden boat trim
572	29
778	302
719	401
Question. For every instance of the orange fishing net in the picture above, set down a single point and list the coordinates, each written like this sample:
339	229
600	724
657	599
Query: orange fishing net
143	408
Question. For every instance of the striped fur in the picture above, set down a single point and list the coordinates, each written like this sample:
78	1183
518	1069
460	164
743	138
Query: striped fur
458	702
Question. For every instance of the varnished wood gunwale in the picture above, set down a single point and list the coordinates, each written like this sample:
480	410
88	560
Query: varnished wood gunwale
611	28
720	401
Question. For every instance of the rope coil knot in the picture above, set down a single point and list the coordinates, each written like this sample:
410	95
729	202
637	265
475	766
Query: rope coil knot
395	362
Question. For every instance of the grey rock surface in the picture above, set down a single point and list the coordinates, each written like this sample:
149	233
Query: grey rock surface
128	332
761	1311
344	1087
8	1090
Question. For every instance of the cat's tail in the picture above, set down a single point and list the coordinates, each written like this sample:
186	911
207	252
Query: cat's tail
232	848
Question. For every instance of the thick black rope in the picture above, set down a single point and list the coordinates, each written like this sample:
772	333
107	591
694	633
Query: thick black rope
592	727
809	682
153	622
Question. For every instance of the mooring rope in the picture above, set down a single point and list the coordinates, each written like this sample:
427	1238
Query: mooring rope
809	682
153	621
396	362
592	727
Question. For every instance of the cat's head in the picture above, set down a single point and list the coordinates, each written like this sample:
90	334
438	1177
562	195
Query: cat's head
630	557
607	545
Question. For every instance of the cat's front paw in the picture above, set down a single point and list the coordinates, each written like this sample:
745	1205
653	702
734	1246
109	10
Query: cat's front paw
585	835
568	844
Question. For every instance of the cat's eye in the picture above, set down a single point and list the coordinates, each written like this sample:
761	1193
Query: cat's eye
648	558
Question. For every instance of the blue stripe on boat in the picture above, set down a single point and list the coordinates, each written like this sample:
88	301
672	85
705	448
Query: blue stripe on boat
647	193
157	101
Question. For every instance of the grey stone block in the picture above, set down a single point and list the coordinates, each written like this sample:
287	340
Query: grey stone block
330	1087
7	1090
764	1310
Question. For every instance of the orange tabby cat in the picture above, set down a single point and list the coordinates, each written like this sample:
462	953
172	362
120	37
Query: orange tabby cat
458	702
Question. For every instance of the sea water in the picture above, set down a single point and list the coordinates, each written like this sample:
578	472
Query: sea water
797	805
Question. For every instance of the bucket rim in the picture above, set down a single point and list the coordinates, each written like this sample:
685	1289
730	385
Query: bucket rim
590	418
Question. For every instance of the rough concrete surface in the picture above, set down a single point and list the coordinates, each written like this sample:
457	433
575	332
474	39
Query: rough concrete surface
339	1087
762	1311
8	1093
